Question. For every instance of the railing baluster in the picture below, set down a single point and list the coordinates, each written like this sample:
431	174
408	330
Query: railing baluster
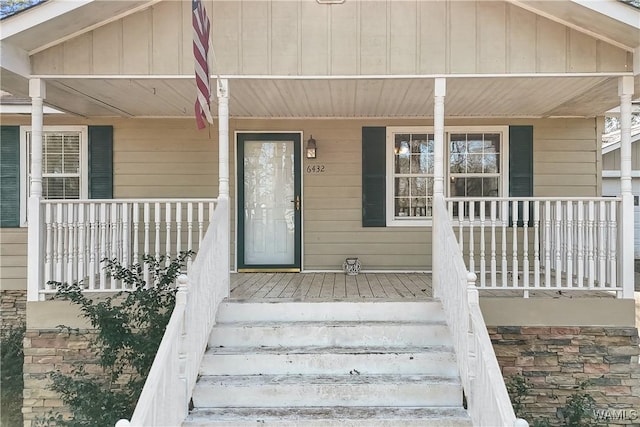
525	246
113	225
103	245
93	245
460	227
514	244
168	208
472	260
147	237
72	255
157	229
591	262
557	228
178	228
189	232
504	217
48	255
613	245
569	257
580	243
59	240
494	263
82	243
547	244
536	244
483	261
602	244
135	250
125	235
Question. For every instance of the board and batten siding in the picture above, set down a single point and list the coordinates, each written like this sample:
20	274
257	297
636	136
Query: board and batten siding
611	160
170	158
353	38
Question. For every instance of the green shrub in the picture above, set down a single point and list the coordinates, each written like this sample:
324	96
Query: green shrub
11	369
128	329
579	410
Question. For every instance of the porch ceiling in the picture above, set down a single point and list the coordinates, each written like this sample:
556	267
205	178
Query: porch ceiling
580	96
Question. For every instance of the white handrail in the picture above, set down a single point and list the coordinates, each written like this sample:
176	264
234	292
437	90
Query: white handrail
165	397
487	398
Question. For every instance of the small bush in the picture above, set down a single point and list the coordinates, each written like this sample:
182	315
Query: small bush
129	327
579	410
11	369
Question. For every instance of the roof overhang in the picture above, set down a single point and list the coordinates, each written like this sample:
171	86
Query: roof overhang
608	20
584	95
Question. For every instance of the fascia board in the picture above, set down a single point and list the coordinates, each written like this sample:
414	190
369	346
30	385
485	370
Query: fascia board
37	15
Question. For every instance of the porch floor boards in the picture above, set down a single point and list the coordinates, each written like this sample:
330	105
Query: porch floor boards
367	286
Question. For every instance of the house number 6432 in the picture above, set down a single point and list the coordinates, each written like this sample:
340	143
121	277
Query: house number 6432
315	169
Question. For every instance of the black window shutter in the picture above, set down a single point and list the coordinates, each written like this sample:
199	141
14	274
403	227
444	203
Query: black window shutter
9	176
521	165
100	162
374	176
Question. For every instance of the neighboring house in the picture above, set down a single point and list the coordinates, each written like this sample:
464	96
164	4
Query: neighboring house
493	110
611	174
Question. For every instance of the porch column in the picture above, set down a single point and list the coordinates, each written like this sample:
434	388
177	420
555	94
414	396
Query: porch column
440	89
223	137
35	272
626	256
223	177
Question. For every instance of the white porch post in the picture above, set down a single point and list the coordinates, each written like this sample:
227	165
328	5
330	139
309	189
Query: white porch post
223	172
440	90
35	273
626	258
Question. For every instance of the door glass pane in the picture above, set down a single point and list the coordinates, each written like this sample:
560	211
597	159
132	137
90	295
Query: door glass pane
269	216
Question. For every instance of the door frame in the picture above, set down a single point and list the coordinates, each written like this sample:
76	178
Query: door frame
237	268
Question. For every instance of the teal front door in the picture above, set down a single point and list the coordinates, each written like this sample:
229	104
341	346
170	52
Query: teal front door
269	201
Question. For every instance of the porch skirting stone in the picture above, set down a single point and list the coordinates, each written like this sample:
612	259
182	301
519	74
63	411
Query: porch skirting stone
13	307
46	351
556	360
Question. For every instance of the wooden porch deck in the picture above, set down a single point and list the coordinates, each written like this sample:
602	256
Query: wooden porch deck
372	286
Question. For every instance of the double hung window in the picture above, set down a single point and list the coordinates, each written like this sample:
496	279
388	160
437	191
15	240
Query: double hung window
474	166
64	163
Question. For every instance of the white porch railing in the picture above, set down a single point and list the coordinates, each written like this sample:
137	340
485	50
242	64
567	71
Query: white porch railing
487	398
558	243
164	400
79	234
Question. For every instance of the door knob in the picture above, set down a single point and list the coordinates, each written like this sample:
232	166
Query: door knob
297	202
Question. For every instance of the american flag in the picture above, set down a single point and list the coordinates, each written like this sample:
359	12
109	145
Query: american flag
201	28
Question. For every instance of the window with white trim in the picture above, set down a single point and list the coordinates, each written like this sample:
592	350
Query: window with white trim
64	163
477	167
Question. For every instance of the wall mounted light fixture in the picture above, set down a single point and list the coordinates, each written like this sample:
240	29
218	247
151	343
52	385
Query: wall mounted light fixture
311	148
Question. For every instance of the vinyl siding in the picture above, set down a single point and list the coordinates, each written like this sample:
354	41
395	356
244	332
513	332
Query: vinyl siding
170	158
307	38
13	258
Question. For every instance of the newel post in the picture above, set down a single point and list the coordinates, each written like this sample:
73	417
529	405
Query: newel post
440	90
35	271
223	181
626	256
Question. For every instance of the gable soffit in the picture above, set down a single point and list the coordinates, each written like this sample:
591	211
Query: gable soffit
56	21
607	20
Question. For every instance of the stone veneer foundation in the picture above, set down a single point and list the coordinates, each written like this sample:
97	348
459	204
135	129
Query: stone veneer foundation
555	360
13	306
46	351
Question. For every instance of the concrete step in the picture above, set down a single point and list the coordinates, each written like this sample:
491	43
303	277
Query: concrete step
428	360
330	416
327	390
329	311
329	334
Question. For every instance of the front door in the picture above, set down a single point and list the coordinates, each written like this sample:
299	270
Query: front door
269	201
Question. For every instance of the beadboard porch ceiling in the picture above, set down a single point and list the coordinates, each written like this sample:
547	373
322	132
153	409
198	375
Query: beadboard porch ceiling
339	97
